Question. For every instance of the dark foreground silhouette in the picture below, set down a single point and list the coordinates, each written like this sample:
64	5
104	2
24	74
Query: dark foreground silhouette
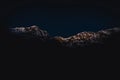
28	51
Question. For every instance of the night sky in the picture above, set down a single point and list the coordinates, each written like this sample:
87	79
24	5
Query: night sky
63	18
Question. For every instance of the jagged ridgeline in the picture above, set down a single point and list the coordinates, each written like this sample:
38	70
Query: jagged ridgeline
81	39
30	32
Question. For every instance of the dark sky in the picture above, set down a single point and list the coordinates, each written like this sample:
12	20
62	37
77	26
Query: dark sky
61	17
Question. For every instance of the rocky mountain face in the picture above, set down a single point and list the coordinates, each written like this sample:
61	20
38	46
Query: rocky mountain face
80	40
87	38
30	32
37	45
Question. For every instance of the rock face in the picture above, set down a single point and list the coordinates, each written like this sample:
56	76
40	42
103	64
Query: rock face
30	32
87	38
81	39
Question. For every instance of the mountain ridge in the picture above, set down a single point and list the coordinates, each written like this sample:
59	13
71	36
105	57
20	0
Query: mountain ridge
82	39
